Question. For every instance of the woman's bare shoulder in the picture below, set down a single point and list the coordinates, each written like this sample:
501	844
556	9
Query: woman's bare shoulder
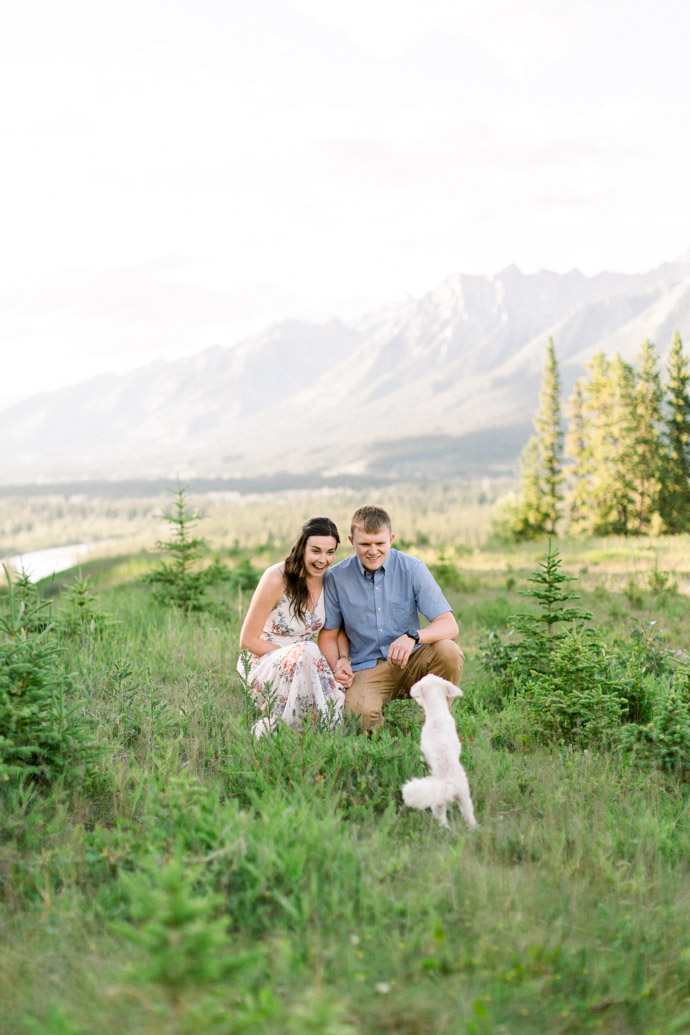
272	582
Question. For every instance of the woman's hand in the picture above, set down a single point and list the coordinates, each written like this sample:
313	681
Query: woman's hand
343	672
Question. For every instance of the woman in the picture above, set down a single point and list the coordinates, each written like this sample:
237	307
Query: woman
288	675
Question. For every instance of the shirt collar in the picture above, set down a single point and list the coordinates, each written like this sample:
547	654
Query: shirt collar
369	574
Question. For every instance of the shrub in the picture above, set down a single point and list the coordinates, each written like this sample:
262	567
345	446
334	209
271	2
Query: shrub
187	955
41	731
244	575
665	741
496	653
450	578
181	928
661	581
80	616
28	596
577	702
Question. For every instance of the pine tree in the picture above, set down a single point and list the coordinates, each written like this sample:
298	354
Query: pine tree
606	415
675	501
577	447
542	632
622	438
541	475
549	430
595	419
528	519
182	582
647	455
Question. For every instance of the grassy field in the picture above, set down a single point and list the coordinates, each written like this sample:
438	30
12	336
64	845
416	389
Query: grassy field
186	878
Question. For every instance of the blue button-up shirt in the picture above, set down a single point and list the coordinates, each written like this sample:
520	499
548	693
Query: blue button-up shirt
374	612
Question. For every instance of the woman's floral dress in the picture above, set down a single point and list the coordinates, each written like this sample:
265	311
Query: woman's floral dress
294	681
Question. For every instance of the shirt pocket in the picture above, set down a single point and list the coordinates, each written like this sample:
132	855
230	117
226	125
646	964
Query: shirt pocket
402	616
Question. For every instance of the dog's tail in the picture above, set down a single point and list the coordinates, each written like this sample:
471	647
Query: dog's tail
428	792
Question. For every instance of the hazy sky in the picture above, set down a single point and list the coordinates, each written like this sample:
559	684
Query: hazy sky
178	174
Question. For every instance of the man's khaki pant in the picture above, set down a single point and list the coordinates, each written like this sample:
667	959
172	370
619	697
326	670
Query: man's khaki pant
374	687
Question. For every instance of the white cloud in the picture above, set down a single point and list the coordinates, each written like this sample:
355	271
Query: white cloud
180	175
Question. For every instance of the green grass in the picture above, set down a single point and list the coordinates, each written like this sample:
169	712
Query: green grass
196	880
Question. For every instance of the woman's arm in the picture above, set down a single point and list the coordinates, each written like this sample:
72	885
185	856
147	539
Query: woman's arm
266	596
343	669
328	645
343	645
335	647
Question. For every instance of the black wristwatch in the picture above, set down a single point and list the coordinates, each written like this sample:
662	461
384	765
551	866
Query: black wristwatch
413	634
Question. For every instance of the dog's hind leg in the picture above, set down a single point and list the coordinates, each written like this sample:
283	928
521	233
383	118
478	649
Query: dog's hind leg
466	808
439	813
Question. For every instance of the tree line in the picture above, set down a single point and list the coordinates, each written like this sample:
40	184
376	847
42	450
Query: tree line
623	466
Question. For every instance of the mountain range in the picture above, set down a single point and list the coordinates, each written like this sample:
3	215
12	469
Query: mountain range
443	386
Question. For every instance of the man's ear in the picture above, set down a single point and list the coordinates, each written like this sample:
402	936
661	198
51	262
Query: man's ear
392	536
351	540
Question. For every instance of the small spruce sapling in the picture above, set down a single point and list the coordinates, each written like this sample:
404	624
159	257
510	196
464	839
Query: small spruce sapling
578	701
81	616
185	949
542	632
42	732
180	581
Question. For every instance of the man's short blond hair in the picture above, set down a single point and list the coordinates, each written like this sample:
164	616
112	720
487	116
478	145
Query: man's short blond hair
370	519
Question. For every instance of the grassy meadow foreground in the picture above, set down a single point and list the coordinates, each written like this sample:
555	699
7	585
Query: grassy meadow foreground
163	872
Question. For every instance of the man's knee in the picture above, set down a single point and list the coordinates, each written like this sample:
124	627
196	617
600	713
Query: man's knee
365	706
446	660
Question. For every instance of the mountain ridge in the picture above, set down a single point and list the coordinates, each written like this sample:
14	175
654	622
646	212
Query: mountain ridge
462	361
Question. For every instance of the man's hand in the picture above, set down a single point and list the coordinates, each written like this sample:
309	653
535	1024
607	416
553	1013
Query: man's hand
343	673
400	650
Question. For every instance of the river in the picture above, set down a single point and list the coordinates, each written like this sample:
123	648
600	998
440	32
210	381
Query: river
41	563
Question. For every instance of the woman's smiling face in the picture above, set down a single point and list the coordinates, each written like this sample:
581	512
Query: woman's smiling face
319	554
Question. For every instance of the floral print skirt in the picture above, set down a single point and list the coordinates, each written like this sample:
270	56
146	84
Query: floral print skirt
294	683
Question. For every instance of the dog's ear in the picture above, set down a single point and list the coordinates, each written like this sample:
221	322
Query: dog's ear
451	690
415	691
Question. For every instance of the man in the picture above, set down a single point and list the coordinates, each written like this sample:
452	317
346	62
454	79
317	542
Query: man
377	596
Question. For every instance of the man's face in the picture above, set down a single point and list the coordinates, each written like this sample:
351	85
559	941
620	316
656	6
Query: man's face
372	547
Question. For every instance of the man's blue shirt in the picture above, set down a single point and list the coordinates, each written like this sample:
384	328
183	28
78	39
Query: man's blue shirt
375	612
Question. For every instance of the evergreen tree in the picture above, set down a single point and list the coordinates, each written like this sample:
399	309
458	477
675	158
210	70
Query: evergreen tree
549	430
182	582
647	455
577	447
528	518
604	444
592	404
675	497
541	474
622	433
541	631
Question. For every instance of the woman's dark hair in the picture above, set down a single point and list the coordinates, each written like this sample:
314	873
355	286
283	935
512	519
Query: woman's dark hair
295	574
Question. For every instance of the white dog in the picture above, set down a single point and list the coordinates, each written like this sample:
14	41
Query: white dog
441	749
